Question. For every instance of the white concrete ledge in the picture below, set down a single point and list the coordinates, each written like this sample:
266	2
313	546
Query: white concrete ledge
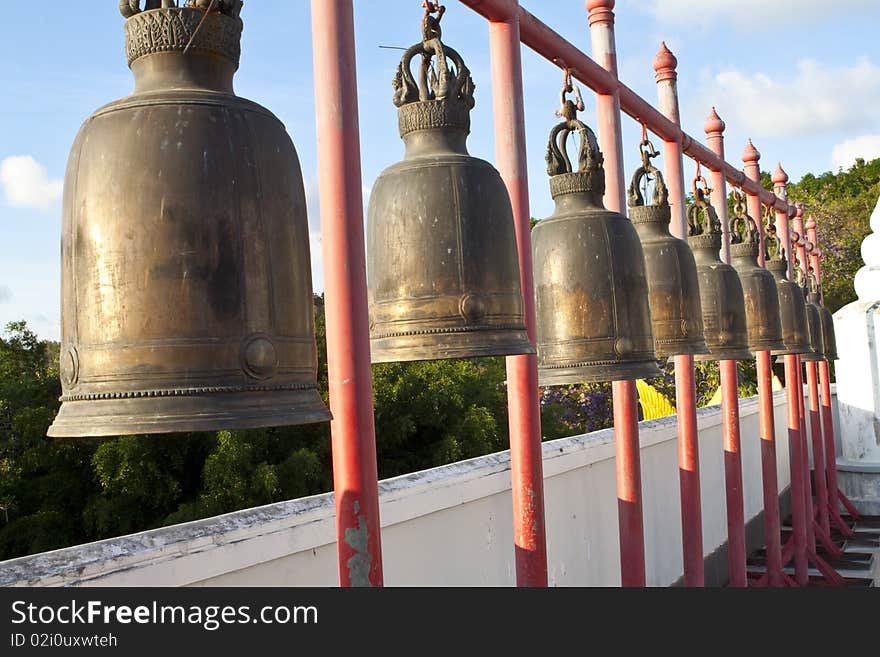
447	525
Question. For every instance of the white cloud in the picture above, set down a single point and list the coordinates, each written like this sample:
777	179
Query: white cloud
751	14
816	99
315	243
26	183
844	154
5	293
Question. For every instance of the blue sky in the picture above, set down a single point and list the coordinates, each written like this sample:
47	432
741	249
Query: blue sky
800	77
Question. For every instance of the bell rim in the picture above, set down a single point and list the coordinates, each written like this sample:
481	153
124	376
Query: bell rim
796	350
681	348
630	371
107	418
729	353
767	345
454	347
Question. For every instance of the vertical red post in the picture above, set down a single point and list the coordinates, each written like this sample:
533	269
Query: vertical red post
818	451
819	469
526	466
798	227
626	419
833	493
766	414
353	433
736	524
794	392
665	65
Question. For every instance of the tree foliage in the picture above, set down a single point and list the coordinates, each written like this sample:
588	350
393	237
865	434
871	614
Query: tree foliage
60	492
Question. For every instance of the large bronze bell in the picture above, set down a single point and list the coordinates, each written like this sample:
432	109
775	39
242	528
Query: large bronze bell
186	285
792	307
591	293
673	286
759	287
814	320
442	267
721	293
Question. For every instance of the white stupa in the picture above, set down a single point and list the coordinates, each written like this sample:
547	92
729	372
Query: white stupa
857	326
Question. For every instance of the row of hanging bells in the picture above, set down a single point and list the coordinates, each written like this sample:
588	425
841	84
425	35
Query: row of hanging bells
186	293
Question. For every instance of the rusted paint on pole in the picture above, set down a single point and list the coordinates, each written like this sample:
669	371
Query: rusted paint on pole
736	532
793	390
766	411
665	65
345	296
626	419
524	414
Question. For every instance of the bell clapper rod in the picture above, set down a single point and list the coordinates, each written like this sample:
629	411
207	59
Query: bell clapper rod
524	414
770	482
625	396
355	476
736	538
685	388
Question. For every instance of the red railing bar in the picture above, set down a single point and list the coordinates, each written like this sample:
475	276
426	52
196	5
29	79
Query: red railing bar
553	47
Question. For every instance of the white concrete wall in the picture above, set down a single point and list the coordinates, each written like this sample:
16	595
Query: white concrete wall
446	526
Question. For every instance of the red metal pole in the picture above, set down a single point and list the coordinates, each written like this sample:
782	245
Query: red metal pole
626	419
526	466
815	531
629	484
834	494
794	391
736	524
819	472
766	411
798	497
736	537
805	460
689	472
550	45
355	476
665	66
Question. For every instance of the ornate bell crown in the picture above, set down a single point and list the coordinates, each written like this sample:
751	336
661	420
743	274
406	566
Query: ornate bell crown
659	210
745	240
704	227
444	94
162	27
590	175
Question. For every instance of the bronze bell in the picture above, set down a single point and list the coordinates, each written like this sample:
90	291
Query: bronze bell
442	266
186	284
721	293
591	293
814	320
792	307
763	321
673	287
828	334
